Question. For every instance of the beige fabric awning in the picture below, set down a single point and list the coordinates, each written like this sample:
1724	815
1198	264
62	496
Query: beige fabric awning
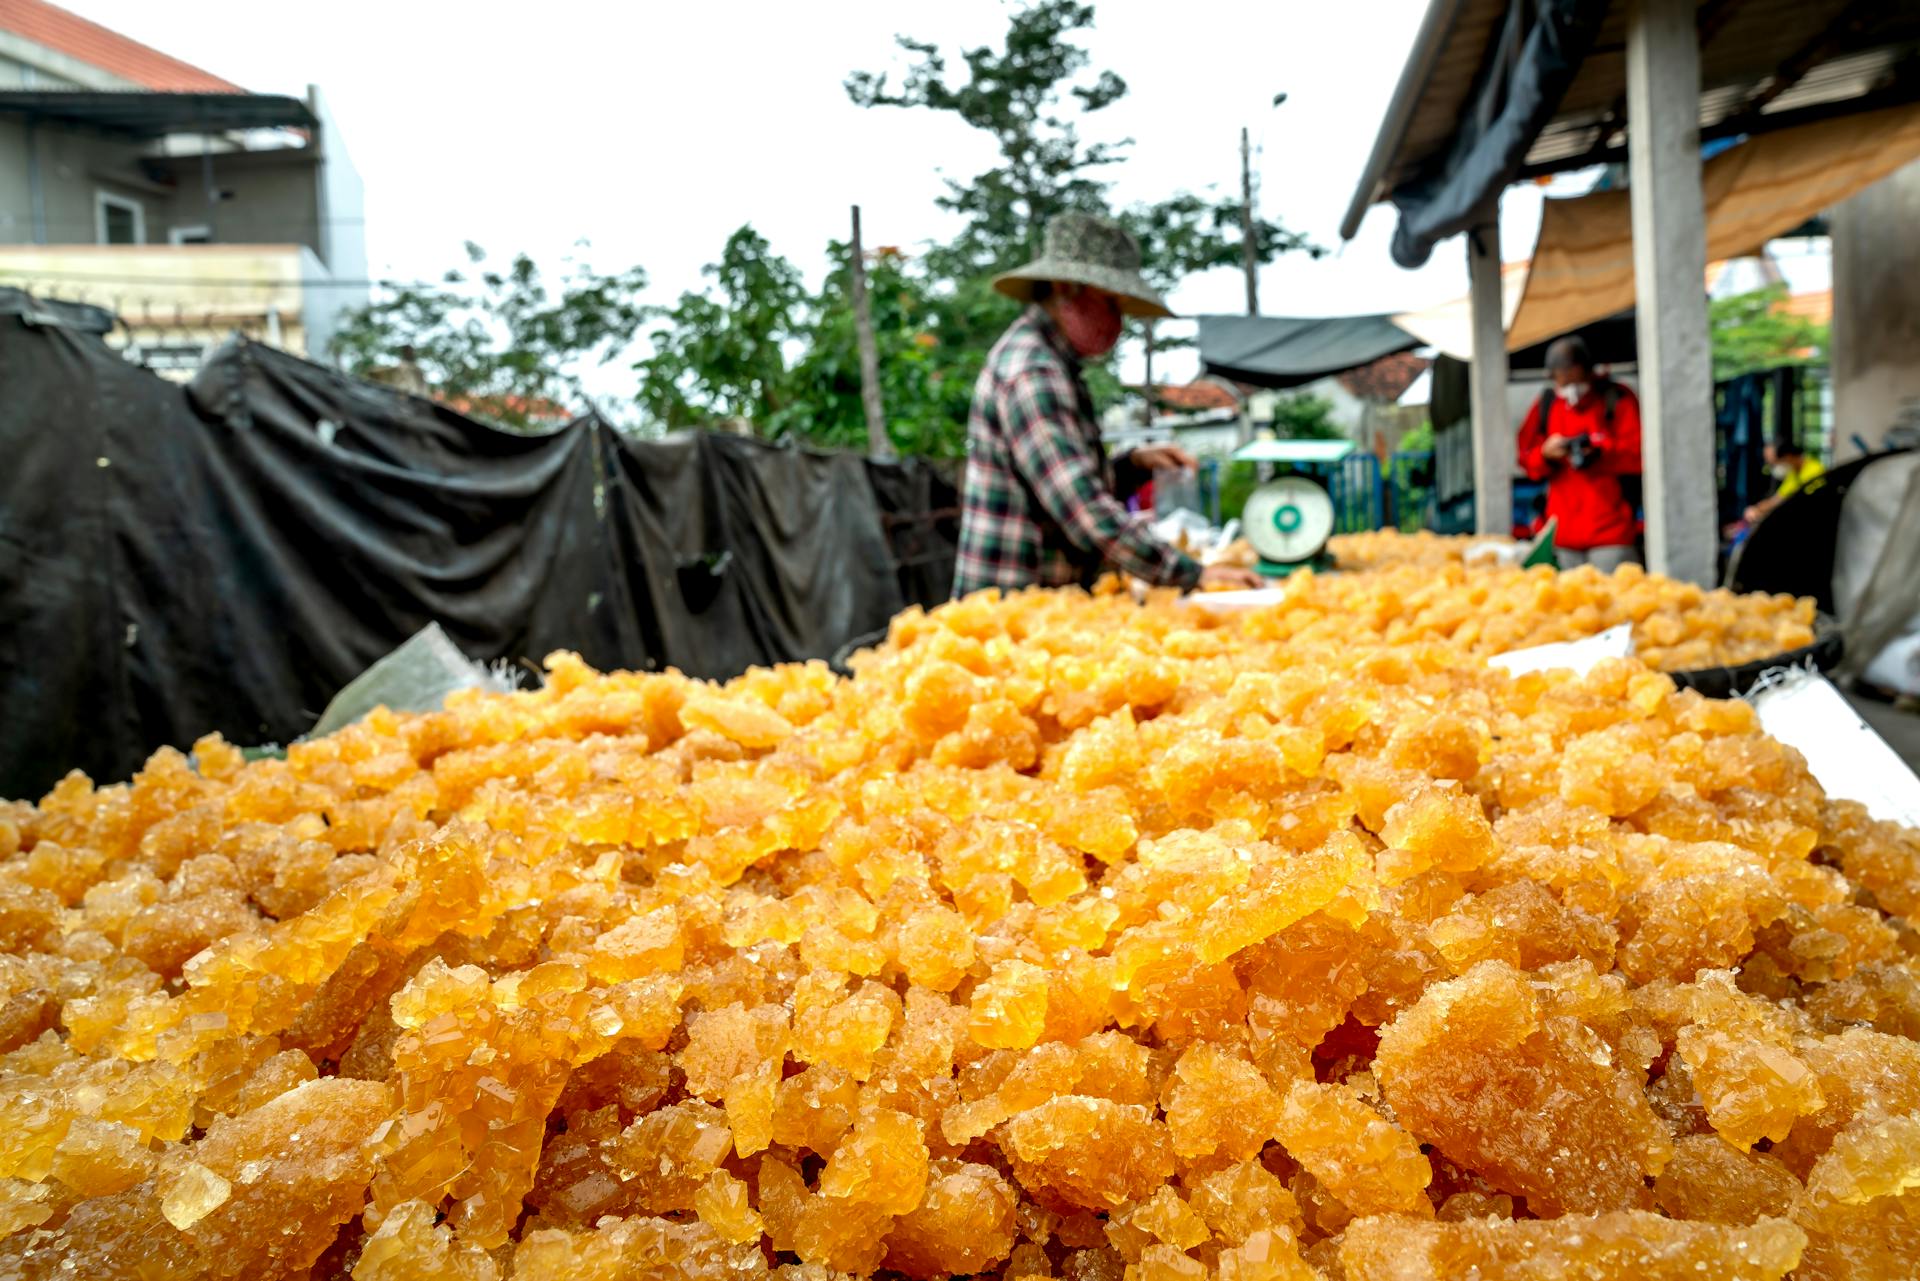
1583	265
1449	326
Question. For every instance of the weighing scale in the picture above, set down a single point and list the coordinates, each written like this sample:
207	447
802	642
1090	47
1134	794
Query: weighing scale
1288	521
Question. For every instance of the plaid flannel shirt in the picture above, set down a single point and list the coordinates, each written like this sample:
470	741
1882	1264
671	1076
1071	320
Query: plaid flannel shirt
1039	507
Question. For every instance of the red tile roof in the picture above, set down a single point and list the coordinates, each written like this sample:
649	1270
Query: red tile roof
93	44
1386	379
1206	393
1815	305
534	409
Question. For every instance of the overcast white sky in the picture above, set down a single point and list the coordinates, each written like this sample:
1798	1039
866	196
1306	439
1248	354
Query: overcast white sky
653	130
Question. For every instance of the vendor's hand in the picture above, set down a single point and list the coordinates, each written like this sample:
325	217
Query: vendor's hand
1555	448
1162	458
1229	578
1753	514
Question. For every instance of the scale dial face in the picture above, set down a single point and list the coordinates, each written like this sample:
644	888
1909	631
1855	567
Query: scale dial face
1288	520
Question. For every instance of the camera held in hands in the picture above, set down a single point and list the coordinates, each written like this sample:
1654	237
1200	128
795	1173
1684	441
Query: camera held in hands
1581	451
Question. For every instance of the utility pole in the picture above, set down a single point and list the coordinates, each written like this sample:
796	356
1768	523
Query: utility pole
877	443
1249	254
1153	398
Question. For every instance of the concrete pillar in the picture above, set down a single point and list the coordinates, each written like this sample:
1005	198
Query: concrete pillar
1669	263
1493	427
1876	310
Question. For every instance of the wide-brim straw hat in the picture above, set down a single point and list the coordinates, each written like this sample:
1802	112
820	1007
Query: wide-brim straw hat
1088	250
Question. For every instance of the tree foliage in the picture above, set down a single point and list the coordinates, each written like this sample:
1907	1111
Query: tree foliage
1305	416
503	344
720	355
1754	331
754	346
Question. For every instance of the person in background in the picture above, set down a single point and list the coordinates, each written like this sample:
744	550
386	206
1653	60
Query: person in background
1794	468
1583	439
1042	504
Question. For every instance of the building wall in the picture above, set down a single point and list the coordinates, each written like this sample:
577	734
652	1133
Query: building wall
1876	310
174	297
266	198
342	202
73	165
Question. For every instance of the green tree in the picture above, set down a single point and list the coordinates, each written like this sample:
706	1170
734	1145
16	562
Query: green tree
926	402
1031	95
502	344
1305	416
720	355
1019	94
1752	331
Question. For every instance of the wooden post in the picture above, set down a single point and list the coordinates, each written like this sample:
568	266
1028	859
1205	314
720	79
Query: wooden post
1669	270
877	442
1493	432
1249	255
1147	414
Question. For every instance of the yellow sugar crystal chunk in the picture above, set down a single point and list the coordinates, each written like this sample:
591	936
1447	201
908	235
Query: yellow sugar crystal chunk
1435	828
745	721
411	1245
1269	1254
1090	1152
1369	1163
1168	1219
1009	1007
645	944
1220	1102
23	1205
964	1223
1875	1156
722	1203
1646	1247
193	1192
883	1162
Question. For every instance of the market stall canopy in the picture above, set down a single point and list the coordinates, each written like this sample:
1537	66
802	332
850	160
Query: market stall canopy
1493	92
1448	327
1286	351
1765	187
154	115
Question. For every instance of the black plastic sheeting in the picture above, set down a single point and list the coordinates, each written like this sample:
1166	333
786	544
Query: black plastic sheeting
227	556
1287	351
1793	549
1534	58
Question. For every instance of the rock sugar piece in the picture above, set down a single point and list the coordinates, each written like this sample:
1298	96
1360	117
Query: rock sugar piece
1710	1179
1633	1244
964	1223
1535	1104
1080	1152
1372	1165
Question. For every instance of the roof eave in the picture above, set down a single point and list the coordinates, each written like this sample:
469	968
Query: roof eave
1432	38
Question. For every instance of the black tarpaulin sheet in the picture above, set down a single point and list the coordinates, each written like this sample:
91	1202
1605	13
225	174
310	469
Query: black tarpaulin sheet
1287	351
227	557
1534	58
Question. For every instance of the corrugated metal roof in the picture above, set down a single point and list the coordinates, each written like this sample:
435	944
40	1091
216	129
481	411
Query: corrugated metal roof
1831	51
95	45
153	115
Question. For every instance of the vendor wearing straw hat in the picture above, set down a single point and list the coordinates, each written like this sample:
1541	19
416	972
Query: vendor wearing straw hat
1042	505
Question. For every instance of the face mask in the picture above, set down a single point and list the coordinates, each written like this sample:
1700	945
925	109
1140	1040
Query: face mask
1572	392
1091	323
1781	471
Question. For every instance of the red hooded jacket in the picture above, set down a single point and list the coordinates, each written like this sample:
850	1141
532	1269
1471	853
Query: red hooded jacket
1592	509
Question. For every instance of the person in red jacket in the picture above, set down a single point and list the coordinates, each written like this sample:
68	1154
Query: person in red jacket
1583	439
